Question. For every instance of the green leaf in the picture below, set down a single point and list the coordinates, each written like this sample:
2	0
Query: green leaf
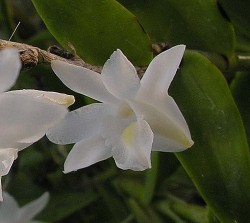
30	189
165	209
239	13
218	163
211	217
131	186
113	202
95	29
151	180
242	42
63	205
143	214
198	24
163	165
241	93
189	212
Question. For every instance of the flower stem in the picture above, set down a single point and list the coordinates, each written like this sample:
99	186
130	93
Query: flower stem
31	56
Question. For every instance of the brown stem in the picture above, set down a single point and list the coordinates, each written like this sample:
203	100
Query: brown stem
32	56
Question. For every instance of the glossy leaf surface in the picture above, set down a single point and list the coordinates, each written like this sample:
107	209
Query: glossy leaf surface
198	24
218	163
241	93
239	13
95	29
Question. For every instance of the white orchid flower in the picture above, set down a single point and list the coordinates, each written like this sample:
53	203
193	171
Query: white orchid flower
10	66
25	115
10	212
134	115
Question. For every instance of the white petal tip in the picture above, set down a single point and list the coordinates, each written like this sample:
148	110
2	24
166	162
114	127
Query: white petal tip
186	145
67	170
118	51
117	55
10	66
187	142
176	50
54	97
180	47
68	167
191	143
60	99
68	100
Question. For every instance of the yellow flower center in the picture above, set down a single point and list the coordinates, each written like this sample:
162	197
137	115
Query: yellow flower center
128	134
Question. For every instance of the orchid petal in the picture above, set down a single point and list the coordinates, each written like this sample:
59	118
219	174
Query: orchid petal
23	117
8	209
54	97
164	144
120	77
135	148
80	123
167	105
30	210
26	142
168	124
85	153
11	213
160	73
83	81
7	157
114	123
1	193
10	66
30	139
